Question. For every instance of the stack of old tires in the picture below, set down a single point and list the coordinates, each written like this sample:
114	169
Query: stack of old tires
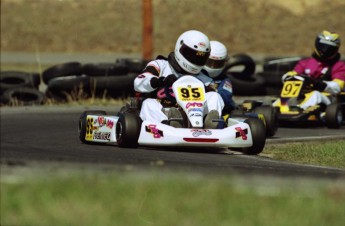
273	70
241	71
20	88
73	80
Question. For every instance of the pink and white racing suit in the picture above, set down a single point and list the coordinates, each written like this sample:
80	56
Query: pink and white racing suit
333	76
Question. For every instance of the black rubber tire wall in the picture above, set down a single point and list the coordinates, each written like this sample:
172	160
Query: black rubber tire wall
247	87
22	96
105	69
62	70
16	79
244	60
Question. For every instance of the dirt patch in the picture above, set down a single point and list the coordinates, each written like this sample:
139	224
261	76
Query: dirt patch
270	27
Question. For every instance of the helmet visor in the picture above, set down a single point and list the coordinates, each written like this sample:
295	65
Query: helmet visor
325	50
195	57
215	64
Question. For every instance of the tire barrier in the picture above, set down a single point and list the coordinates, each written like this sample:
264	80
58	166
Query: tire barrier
273	82
251	86
75	87
72	80
242	61
134	65
61	70
22	96
105	69
16	79
280	65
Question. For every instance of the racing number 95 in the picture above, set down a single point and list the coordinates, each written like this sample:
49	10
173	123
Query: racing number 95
291	89
189	94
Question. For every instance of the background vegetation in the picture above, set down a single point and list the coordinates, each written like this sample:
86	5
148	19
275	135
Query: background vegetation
270	27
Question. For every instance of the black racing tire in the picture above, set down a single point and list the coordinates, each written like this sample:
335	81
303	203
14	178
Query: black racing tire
134	65
258	131
280	65
247	87
62	70
67	87
128	129
22	96
105	69
241	60
83	128
15	79
271	119
334	116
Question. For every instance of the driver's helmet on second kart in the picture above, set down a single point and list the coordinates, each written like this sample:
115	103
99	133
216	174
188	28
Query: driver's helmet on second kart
217	59
192	50
326	45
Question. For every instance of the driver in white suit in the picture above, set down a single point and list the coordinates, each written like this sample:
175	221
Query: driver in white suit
192	50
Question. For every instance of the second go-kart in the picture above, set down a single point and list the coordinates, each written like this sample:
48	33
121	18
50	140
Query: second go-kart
128	130
296	91
259	109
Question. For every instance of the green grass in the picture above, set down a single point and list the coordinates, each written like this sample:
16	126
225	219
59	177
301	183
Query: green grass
325	153
152	198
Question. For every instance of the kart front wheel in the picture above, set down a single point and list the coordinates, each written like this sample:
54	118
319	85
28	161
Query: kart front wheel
128	129
334	116
270	117
258	131
83	124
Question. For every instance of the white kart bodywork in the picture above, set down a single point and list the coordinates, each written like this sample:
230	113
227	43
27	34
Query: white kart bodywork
158	134
190	95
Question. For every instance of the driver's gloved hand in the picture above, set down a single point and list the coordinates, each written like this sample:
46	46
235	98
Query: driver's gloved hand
162	81
289	75
157	82
169	80
319	85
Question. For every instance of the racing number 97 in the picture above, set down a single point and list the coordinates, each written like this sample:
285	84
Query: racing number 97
291	88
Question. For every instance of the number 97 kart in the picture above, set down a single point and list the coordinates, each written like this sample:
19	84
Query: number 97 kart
128	130
298	90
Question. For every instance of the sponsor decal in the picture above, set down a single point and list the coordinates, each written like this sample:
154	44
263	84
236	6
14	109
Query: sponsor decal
153	130
195	115
101	136
199	132
202	44
89	128
241	133
194	104
102	121
227	86
195	109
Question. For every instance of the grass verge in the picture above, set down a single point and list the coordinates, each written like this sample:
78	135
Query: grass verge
324	153
156	198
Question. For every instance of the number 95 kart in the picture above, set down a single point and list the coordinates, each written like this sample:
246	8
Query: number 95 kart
128	130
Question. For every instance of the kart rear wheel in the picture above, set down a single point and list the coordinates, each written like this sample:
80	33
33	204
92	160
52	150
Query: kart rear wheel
258	131
82	127
270	117
128	129
334	116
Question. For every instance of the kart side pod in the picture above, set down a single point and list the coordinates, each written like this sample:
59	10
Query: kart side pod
97	127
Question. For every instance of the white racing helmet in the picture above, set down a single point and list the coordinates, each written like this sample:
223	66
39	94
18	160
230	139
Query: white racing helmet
192	50
217	59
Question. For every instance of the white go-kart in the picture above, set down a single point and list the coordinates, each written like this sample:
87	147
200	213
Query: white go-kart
128	130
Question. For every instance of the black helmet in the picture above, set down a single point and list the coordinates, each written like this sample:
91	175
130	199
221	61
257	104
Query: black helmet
327	45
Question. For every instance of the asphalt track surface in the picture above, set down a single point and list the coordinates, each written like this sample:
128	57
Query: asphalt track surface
49	135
